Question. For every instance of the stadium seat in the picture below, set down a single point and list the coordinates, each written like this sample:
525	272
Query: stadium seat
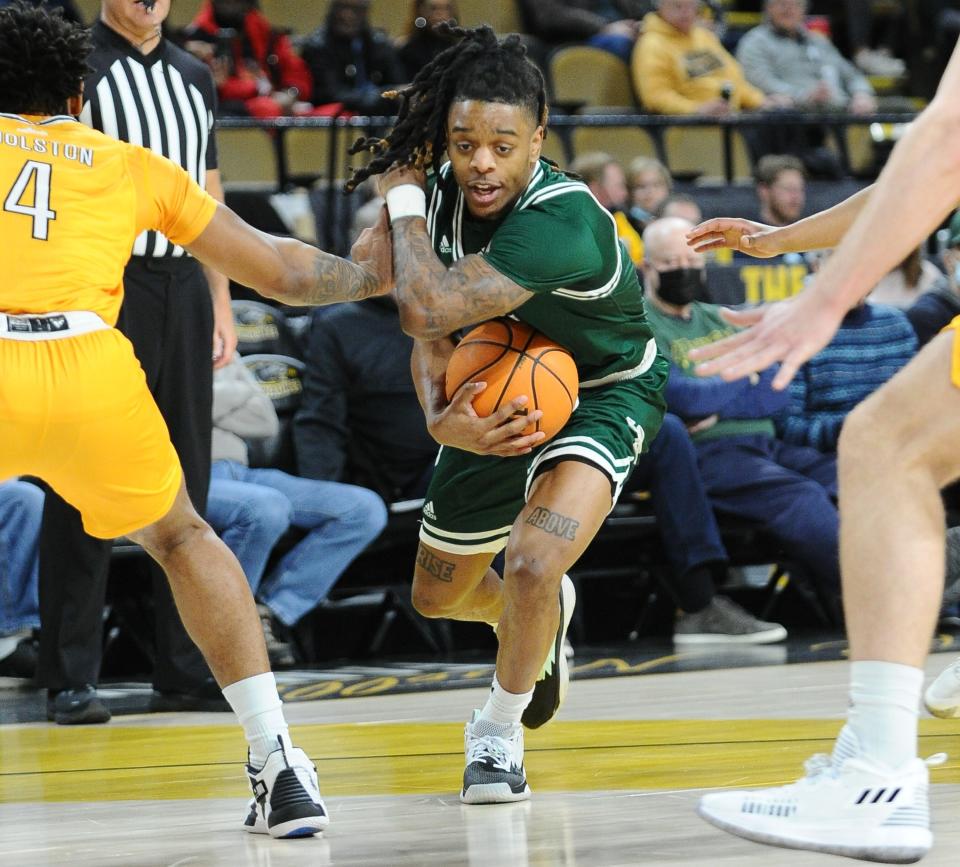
262	328
281	377
585	76
698	151
623	143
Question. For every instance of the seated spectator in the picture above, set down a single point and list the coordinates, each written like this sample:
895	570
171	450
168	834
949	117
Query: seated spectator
680	205
912	278
789	490
351	62
21	511
606	180
691	540
423	41
806	71
934	309
357	380
256	71
873	342
680	67
611	25
781	188
650	183
251	509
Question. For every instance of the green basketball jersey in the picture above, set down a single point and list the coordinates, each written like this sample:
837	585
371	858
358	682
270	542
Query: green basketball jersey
559	243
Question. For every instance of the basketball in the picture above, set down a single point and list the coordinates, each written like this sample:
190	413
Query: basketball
514	359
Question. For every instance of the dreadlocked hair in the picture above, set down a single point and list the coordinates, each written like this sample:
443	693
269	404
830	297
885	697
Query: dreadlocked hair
43	59
478	67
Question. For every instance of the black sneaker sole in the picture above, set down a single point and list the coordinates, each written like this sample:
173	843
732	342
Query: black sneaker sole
547	692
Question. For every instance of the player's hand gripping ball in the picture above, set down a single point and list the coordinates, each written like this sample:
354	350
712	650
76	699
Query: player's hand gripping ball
514	359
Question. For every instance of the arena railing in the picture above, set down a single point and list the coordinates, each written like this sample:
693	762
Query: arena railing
342	131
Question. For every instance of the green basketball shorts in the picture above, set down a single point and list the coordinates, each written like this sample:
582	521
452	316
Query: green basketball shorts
473	500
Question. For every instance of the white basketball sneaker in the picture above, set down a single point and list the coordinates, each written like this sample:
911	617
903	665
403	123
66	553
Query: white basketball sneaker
494	771
286	796
848	806
942	697
551	687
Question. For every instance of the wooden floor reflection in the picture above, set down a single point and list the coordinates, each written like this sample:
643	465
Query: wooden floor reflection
615	780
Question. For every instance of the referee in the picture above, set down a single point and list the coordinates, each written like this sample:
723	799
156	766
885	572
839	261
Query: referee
144	90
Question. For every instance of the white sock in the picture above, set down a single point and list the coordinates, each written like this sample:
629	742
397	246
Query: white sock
505	707
884	706
257	704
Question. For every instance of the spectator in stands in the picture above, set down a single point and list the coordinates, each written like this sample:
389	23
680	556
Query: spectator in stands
21	511
650	183
680	67
423	41
873	342
934	309
691	541
606	180
351	62
252	508
806	71
782	57
359	420
255	68
781	187
789	490
612	25
913	277
680	205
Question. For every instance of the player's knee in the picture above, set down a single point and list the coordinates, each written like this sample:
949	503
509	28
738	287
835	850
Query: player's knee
869	437
531	578
164	538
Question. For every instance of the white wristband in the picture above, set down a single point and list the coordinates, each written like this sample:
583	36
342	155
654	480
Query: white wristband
407	200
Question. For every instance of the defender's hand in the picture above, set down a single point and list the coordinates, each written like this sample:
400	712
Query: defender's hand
373	251
734	234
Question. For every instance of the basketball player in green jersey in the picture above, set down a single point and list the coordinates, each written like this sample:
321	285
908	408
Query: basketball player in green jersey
499	231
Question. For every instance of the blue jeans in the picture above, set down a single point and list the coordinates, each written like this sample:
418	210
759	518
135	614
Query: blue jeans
21	511
252	508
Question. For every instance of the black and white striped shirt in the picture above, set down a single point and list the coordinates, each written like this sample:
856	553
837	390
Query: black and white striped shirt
164	100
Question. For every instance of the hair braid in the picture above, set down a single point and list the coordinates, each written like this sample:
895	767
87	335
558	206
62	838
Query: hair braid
478	66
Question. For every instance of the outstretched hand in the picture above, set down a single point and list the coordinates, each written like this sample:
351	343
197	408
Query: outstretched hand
734	233
790	332
459	426
373	251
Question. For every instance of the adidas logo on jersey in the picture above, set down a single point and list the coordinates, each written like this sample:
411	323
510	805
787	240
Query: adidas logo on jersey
428	511
445	245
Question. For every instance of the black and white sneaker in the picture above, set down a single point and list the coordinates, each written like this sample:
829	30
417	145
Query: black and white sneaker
551	687
494	754
286	796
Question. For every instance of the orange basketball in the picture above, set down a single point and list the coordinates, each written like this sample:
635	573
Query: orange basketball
514	359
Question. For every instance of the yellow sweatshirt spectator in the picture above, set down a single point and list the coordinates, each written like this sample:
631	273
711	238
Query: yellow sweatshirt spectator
680	67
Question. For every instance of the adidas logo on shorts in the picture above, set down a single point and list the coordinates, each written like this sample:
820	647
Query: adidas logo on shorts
445	248
428	511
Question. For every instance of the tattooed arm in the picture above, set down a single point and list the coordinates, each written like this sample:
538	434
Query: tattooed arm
290	271
435	300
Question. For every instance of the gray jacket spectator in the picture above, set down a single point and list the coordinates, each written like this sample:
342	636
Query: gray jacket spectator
240	409
781	57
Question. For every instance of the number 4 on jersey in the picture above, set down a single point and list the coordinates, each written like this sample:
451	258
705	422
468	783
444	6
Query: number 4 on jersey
40	209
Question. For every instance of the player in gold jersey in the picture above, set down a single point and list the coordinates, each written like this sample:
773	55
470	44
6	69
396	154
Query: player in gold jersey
74	404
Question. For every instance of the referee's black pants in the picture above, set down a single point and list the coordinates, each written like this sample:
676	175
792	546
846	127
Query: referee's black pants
168	317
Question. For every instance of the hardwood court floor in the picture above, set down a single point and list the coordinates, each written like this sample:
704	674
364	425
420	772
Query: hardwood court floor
615	779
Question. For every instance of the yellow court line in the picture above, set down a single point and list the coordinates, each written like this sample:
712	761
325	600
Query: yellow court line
149	763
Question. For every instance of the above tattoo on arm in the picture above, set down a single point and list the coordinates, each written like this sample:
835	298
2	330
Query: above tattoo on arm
554	523
442	570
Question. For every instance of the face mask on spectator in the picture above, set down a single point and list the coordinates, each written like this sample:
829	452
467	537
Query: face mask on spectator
680	286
